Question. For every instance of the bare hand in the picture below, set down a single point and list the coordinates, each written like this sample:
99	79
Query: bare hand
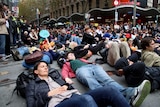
120	72
58	90
68	80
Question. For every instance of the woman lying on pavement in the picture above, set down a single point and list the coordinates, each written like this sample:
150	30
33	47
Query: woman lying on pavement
50	90
94	76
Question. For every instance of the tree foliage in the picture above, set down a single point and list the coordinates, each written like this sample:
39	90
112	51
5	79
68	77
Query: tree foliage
27	8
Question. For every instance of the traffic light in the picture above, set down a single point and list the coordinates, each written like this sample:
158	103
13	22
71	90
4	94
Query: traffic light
116	2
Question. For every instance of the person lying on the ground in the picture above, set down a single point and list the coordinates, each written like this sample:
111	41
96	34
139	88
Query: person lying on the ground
48	56
94	76
86	51
50	90
136	72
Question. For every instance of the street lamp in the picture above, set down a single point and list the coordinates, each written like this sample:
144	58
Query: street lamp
37	16
116	3
134	14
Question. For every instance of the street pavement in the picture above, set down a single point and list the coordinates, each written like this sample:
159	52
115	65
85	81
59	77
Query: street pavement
9	72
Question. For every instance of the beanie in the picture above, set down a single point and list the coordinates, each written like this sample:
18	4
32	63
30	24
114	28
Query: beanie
134	57
81	53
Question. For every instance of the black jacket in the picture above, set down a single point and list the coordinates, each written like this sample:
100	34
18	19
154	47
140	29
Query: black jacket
37	90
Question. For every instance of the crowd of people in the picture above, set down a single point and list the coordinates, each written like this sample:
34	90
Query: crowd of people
132	51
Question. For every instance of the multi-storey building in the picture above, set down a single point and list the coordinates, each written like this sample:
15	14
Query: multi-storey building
63	9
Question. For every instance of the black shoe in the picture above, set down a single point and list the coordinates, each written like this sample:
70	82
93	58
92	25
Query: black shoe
99	61
16	55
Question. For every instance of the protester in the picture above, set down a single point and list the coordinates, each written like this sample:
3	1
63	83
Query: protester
49	90
149	57
93	76
3	34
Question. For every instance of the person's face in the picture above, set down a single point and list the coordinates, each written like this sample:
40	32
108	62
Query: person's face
42	69
71	56
151	46
5	7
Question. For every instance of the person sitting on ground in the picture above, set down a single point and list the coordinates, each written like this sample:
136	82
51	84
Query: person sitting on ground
50	90
63	37
94	76
34	36
149	57
88	37
26	38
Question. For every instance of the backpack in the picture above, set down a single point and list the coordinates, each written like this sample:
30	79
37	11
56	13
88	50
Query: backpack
61	60
25	78
22	81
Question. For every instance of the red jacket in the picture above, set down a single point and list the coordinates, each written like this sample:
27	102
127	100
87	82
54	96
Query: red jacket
67	72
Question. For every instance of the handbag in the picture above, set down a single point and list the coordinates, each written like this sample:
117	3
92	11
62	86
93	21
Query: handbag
34	57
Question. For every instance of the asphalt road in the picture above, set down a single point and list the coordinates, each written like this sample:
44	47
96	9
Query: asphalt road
9	72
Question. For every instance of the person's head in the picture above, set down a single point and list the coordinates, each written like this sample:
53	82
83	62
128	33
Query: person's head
147	43
25	33
5	6
63	32
70	56
41	69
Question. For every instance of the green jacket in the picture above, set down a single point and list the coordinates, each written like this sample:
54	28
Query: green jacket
150	58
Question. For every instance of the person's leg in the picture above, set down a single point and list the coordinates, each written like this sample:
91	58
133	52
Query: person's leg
76	39
108	95
125	50
46	58
113	53
86	76
103	78
2	45
7	46
27	66
97	47
95	77
78	101
23	50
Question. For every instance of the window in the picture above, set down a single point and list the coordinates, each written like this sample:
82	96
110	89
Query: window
90	4
97	3
72	8
77	5
63	12
67	10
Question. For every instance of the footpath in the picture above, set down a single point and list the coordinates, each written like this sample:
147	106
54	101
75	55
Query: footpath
10	70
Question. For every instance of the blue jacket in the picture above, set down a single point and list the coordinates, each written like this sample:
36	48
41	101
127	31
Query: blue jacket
37	90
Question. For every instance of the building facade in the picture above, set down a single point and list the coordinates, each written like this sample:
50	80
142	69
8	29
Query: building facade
67	8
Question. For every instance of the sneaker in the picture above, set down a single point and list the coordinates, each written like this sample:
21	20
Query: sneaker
141	93
3	59
8	56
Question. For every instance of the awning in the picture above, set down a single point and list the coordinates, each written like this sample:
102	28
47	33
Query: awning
123	9
110	13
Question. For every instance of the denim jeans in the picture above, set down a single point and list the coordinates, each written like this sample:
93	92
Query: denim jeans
94	77
108	96
45	58
2	44
76	39
23	50
78	101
